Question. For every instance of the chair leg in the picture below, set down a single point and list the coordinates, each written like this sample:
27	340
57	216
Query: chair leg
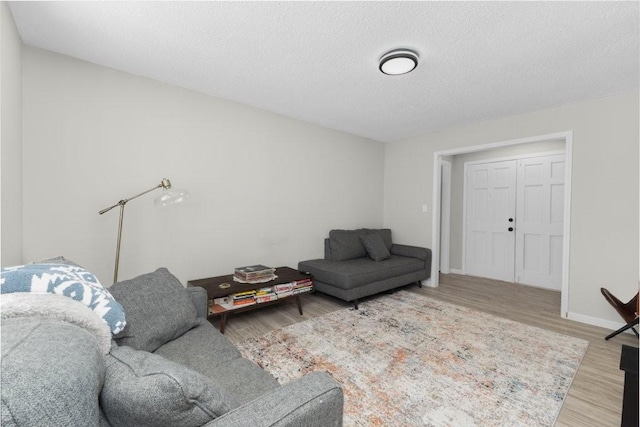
355	304
624	328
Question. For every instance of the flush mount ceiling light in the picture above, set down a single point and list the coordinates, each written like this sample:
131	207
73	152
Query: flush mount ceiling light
399	61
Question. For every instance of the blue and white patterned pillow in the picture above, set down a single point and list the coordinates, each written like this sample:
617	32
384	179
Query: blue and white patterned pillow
69	280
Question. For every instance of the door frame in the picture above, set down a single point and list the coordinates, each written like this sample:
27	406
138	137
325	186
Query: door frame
445	220
567	136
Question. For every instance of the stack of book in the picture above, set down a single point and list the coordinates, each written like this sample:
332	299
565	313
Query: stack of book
254	274
283	290
265	295
243	298
217	305
302	285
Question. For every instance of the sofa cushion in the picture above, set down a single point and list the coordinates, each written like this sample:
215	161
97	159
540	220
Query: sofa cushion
208	340
360	272
69	280
346	244
144	389
251	383
158	309
52	373
376	249
216	357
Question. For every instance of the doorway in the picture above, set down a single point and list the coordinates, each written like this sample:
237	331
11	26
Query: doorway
567	139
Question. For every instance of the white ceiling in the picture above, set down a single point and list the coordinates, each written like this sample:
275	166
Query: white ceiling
317	61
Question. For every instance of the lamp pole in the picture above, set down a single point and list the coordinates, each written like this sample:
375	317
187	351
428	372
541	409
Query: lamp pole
165	183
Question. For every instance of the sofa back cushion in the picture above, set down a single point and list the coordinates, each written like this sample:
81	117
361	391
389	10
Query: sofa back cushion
347	244
144	389
157	307
52	373
56	307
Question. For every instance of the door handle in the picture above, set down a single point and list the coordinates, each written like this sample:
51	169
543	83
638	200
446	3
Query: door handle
510	229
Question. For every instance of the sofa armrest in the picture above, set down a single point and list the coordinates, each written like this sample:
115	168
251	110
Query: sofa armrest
200	301
315	400
411	251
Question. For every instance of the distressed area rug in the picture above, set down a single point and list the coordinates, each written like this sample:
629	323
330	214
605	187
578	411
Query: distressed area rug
408	360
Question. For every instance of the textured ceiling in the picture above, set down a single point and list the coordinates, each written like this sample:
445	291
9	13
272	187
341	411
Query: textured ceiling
317	61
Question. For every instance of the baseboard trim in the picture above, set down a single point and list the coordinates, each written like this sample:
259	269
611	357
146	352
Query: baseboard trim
582	318
428	283
596	321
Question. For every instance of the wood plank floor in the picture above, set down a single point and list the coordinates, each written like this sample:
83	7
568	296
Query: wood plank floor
595	397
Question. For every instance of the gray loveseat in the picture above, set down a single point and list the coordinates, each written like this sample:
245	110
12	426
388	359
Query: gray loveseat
364	262
169	367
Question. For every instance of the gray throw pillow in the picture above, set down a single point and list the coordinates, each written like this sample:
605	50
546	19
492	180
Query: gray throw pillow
385	233
345	244
375	247
144	389
158	309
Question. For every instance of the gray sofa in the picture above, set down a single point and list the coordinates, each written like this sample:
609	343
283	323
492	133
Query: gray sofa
364	262
169	367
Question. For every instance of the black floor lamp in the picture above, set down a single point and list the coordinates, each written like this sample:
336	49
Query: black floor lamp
168	197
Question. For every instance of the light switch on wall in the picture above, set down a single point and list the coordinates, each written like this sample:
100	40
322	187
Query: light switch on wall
425	208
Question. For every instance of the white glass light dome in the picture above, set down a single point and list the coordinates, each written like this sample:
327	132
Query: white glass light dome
397	62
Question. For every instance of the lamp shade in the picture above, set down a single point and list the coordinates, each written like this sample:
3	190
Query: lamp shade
170	196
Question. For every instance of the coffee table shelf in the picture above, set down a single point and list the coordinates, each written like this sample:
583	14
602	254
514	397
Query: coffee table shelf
214	290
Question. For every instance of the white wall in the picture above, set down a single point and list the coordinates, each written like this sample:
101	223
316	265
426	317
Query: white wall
10	140
604	216
267	189
264	188
457	185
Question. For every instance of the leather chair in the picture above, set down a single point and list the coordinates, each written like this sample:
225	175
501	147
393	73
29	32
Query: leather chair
628	311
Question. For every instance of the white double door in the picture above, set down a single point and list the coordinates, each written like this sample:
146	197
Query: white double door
514	220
